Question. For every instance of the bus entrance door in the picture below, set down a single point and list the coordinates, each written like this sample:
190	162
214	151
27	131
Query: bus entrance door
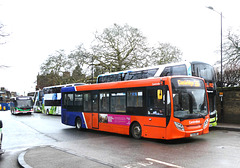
95	120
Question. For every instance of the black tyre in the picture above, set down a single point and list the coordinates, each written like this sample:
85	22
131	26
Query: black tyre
136	130
78	123
13	111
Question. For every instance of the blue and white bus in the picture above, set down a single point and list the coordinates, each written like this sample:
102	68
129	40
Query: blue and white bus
37	106
52	98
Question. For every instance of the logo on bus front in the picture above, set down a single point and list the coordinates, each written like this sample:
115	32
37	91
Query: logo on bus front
194	122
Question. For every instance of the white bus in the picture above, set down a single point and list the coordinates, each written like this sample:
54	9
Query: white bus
52	98
37	106
195	68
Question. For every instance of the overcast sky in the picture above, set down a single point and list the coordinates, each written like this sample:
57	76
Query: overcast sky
38	28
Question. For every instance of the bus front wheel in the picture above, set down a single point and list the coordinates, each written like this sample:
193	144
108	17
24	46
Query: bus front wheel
136	130
13	111
78	123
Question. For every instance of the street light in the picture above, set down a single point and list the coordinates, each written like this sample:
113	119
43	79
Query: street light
220	13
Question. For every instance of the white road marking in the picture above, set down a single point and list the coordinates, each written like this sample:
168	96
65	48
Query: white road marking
164	163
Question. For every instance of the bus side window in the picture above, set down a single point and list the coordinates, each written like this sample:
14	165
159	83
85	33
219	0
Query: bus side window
118	102
95	102
135	98
87	102
166	72
179	70
151	72
70	99
64	101
104	102
156	101
78	99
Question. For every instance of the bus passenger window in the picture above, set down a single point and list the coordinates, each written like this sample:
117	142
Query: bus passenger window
64	96
87	102
166	72
104	102
151	72
68	99
118	102
179	70
95	102
156	103
78	99
135	98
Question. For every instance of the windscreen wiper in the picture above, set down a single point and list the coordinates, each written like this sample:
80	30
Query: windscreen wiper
202	116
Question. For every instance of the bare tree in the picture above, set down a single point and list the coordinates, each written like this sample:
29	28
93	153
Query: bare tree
119	47
56	66
165	53
116	48
231	75
77	61
231	48
78	58
2	33
55	63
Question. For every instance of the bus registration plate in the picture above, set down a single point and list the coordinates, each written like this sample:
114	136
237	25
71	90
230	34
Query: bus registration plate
194	134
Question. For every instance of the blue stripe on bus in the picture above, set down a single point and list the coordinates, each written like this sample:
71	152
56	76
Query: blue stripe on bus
69	118
68	89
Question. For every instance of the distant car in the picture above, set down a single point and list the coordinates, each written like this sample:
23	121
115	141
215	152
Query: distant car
1	136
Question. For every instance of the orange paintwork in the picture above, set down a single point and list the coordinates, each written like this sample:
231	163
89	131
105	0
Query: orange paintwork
152	126
122	84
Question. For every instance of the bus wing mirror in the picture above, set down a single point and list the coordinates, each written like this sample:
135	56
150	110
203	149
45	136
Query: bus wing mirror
159	94
1	124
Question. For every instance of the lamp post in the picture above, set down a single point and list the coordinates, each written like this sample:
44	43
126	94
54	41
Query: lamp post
92	71
221	95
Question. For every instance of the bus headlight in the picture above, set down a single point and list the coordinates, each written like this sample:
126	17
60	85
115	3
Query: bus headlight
179	126
205	123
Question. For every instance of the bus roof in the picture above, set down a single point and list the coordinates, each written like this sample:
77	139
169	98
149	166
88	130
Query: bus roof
124	84
21	98
152	67
65	85
145	68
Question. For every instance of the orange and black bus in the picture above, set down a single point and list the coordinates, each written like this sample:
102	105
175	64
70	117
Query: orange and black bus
169	107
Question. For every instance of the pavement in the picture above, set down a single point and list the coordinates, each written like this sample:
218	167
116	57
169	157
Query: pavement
55	157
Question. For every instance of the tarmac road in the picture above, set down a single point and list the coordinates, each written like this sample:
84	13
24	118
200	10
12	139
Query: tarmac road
44	137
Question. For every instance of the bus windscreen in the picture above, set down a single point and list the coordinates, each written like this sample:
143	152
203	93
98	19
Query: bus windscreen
189	98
